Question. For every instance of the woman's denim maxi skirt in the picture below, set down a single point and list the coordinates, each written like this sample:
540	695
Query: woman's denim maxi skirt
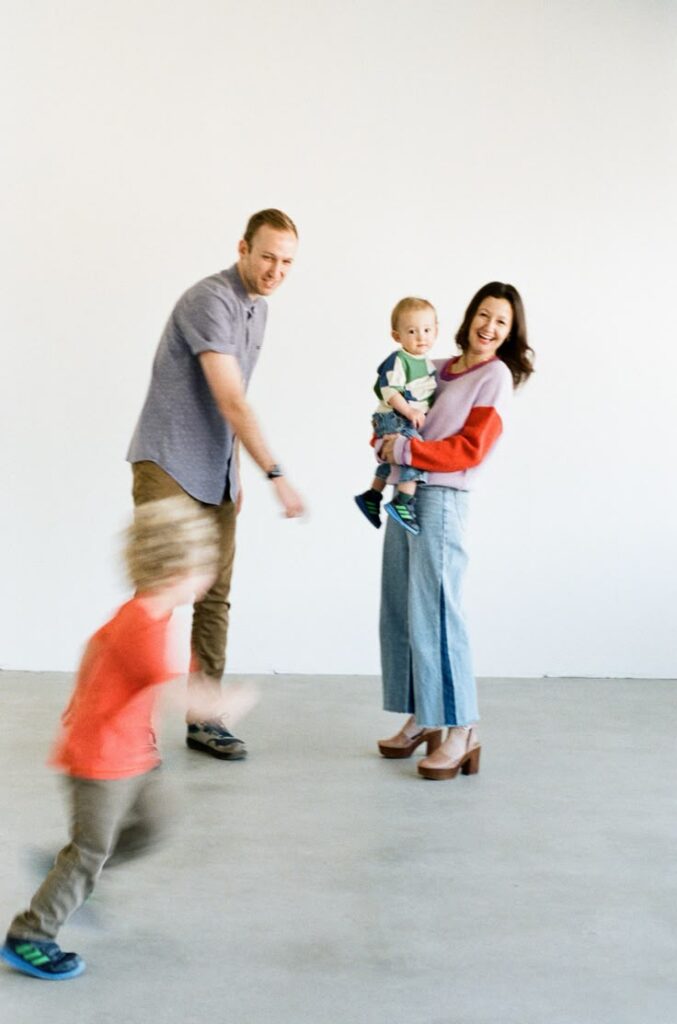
425	654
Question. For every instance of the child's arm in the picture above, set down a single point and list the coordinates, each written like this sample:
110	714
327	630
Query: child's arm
399	403
234	702
152	656
390	387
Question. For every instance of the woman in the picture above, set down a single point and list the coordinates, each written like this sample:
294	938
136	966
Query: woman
425	655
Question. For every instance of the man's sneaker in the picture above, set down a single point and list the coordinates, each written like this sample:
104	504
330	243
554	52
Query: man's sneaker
370	504
212	738
41	959
404	513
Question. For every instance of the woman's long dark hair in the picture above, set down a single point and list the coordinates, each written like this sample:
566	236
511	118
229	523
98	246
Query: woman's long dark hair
515	350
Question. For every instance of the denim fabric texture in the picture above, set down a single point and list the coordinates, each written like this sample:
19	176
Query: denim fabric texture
425	653
392	423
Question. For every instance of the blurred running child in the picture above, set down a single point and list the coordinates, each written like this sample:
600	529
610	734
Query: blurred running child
107	748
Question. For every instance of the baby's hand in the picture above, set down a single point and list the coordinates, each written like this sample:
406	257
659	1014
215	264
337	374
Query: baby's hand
417	418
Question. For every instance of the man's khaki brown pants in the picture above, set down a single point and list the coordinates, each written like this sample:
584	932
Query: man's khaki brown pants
210	615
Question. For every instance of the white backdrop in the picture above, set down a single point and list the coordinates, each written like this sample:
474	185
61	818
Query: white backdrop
421	148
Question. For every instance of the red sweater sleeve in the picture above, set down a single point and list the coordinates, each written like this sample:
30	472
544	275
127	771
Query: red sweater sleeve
467	448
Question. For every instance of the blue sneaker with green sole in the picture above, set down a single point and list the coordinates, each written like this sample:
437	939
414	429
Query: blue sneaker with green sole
404	513
369	504
44	960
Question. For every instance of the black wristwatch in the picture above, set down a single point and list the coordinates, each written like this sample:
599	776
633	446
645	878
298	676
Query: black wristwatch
274	472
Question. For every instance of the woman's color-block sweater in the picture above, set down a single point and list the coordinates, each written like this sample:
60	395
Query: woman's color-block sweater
462	426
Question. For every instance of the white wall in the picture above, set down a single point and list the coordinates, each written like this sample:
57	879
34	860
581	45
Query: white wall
422	148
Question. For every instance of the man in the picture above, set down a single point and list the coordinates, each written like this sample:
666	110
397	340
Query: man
195	417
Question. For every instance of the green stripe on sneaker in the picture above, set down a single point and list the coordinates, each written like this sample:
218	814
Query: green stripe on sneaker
27	951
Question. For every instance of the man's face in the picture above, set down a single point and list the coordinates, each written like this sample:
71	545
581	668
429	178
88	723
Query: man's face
265	263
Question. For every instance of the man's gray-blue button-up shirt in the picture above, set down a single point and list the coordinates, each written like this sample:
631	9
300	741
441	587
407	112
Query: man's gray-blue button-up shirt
180	427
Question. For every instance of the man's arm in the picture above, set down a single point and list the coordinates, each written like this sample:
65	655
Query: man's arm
236	456
225	383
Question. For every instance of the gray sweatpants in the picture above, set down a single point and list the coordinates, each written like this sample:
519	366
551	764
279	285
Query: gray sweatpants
110	818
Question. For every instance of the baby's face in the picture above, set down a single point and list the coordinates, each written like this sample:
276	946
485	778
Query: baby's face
416	331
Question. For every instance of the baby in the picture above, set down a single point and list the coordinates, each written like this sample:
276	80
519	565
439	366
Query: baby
405	386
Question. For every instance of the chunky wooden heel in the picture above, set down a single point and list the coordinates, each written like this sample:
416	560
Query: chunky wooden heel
471	765
434	741
402	745
463	756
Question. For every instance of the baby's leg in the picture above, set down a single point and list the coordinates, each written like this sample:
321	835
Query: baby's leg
402	508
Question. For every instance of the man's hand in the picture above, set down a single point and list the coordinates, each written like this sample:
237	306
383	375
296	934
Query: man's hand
290	500
238	501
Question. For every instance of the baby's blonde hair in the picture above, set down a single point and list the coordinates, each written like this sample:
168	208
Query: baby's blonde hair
169	538
409	303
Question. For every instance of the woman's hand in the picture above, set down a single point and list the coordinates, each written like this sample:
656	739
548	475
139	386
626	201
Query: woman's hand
387	452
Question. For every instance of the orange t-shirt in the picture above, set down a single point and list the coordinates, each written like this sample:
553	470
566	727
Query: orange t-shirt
107	730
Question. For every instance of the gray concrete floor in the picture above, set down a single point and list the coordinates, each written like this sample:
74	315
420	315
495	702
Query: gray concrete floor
318	883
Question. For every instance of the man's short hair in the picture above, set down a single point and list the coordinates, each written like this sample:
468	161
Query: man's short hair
406	305
168	538
272	218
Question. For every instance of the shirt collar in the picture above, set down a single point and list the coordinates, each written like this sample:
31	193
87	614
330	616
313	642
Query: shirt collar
233	275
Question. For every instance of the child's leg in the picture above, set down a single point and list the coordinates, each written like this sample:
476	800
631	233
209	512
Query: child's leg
146	822
402	508
97	807
369	503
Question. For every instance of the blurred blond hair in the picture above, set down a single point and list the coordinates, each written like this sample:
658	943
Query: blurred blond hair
409	304
169	538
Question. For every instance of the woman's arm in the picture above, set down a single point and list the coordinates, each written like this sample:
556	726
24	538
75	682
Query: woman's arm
460	451
465	448
452	454
487	398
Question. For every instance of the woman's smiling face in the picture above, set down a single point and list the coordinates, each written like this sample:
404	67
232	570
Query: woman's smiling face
489	328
